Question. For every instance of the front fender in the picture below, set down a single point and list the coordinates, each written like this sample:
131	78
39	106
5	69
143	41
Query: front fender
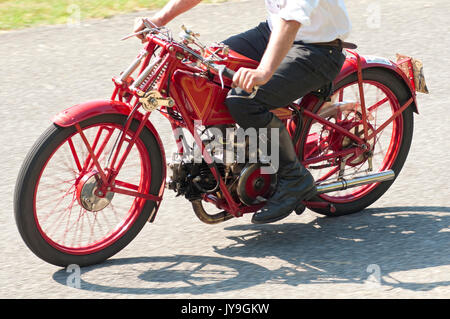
83	111
351	66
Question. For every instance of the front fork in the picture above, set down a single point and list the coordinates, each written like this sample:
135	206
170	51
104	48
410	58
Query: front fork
107	176
124	89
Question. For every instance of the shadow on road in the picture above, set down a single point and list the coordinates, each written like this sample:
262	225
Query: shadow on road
361	248
179	274
374	247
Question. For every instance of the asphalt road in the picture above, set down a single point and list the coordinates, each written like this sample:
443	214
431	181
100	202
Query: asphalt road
397	248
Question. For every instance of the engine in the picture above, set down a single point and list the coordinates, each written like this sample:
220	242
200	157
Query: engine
190	175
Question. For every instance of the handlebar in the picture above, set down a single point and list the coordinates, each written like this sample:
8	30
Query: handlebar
221	69
228	73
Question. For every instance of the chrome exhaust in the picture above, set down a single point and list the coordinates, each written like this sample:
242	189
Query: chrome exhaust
359	181
321	189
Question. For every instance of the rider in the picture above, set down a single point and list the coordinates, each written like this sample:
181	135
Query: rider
299	48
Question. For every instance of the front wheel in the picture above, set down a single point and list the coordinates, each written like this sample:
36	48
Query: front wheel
57	214
384	95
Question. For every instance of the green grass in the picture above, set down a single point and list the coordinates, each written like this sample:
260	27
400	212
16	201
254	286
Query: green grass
16	14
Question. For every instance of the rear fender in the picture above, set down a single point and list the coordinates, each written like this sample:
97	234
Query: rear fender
351	66
81	112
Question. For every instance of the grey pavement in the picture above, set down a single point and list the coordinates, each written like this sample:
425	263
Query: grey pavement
397	248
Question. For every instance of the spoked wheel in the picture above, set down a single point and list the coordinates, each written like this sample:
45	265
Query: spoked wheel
388	149
61	212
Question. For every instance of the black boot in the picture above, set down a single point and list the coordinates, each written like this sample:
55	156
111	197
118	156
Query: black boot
295	182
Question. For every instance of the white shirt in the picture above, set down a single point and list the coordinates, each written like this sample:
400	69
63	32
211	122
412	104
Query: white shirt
321	20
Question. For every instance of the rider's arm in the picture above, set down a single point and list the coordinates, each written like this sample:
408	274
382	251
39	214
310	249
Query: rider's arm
173	9
281	40
170	11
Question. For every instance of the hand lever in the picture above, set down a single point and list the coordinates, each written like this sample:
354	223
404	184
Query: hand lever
222	70
134	34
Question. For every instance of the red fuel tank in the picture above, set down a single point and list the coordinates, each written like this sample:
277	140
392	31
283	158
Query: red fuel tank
204	99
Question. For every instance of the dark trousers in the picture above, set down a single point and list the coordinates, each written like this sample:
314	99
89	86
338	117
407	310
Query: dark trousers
305	68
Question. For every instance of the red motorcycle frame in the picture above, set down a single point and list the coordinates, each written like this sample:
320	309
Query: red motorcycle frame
187	85
120	104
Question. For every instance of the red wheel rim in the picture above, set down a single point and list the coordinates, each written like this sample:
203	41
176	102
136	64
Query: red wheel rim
66	225
390	149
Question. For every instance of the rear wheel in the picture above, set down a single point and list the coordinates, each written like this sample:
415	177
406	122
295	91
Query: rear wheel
57	208
384	95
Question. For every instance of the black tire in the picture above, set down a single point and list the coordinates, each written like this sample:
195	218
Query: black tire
399	89
29	174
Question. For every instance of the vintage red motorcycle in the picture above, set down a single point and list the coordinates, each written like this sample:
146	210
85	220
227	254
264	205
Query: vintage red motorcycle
98	174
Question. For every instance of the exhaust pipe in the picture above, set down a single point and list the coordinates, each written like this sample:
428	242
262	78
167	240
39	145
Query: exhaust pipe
359	181
321	189
208	218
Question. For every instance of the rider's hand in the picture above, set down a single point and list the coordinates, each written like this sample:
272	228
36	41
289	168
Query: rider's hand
247	79
139	26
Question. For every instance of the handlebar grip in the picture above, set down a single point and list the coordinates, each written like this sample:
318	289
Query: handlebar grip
228	73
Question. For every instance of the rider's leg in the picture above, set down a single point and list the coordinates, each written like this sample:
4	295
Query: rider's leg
295	182
251	43
305	68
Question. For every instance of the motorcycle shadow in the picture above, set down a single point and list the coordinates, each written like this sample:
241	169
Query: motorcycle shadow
385	247
389	247
166	275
